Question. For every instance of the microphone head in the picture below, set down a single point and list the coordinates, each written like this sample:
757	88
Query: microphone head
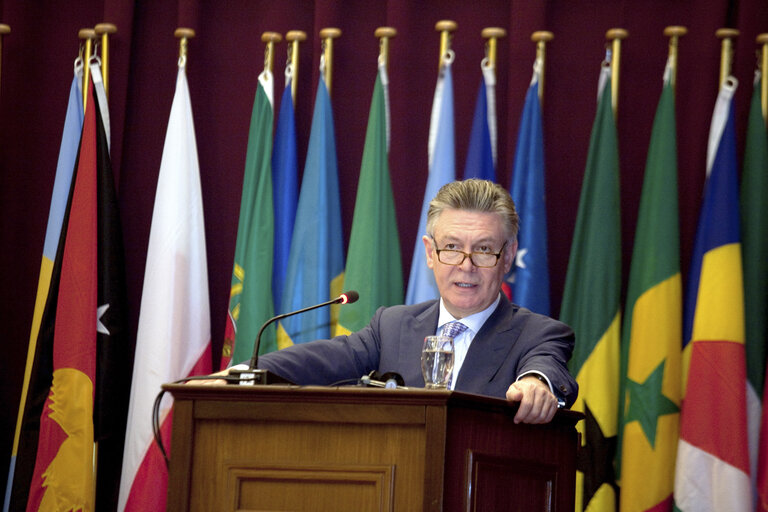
349	297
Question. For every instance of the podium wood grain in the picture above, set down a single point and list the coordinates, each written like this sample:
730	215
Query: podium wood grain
243	448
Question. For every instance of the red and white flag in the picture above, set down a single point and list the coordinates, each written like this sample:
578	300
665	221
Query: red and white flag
174	333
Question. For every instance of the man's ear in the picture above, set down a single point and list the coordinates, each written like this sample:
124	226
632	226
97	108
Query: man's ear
509	255
429	251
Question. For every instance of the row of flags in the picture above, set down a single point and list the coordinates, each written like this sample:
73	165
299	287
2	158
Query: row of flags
645	430
671	387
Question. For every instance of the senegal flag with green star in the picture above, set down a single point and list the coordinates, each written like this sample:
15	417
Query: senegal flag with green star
652	331
591	306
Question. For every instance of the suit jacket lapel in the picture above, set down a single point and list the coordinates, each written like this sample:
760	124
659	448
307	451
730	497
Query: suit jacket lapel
489	348
412	333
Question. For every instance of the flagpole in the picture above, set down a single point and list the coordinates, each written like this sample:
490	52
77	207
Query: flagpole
184	35
762	40
726	51
446	29
88	34
674	32
541	38
4	29
492	34
328	35
294	37
615	36
384	34
269	52
103	30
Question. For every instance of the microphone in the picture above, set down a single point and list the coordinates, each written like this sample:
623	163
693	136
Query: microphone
255	376
389	380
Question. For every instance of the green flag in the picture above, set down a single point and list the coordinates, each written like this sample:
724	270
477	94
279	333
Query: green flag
754	225
373	260
652	333
250	300
591	306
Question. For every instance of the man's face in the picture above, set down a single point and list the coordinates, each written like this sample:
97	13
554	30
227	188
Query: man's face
465	288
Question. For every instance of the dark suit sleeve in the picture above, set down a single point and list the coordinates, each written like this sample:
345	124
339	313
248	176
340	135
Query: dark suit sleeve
325	362
550	355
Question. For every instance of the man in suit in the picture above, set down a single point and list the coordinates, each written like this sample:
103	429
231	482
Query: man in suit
503	350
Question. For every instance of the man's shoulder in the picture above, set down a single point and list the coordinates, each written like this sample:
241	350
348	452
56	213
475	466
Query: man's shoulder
537	320
407	309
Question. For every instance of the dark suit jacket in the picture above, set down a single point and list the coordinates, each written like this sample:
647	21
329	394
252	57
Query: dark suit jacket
512	341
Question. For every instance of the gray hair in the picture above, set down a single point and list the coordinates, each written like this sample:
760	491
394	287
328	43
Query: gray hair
478	196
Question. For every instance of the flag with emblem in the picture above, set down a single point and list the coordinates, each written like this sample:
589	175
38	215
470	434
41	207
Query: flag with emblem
37	373
652	332
591	306
529	279
373	260
63	477
250	299
173	340
442	170
481	153
285	186
754	223
712	469
316	264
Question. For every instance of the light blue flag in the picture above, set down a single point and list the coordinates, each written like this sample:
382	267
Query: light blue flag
285	191
529	279
316	264
480	153
70	144
442	170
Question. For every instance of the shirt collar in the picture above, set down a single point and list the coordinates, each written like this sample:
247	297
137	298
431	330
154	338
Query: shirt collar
473	322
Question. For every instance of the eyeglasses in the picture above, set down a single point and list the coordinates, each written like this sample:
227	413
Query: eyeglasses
478	259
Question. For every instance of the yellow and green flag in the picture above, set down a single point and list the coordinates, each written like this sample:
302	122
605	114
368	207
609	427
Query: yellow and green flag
591	306
652	332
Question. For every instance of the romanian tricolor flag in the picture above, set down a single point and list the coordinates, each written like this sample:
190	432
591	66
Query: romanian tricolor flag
712	471
652	330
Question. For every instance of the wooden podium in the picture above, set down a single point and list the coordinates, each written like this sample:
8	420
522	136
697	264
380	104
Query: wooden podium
245	448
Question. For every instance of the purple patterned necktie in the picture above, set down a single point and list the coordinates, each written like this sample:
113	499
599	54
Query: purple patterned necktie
453	329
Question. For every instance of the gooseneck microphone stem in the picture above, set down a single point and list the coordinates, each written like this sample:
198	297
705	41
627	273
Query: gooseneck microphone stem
345	298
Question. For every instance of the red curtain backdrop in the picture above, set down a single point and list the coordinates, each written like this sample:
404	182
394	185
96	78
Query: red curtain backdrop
226	57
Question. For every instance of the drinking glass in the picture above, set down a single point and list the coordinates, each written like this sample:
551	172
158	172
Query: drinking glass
437	361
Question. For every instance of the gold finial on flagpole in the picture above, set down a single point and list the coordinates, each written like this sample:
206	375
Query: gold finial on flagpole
674	33
103	30
184	35
446	29
87	34
269	52
4	29
384	34
726	51
762	40
328	35
492	34
615	36
541	38
294	37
